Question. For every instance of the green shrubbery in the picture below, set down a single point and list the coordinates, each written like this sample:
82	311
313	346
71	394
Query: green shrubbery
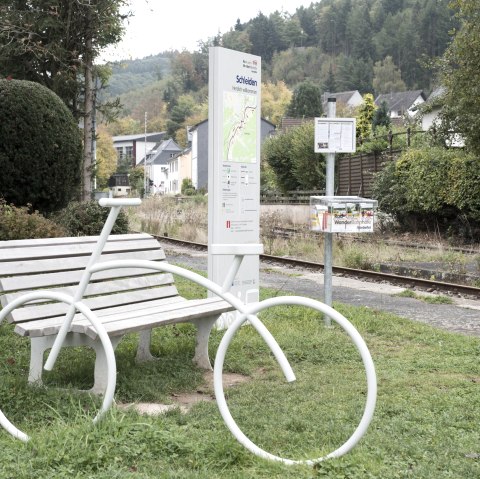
293	160
40	147
432	187
23	223
87	219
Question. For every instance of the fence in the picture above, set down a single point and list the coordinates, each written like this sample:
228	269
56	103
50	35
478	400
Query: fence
355	173
291	197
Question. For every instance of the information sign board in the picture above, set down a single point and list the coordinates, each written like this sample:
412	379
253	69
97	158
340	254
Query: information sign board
342	214
335	135
234	166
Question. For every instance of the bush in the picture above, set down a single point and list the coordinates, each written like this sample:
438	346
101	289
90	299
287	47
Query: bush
87	219
292	158
187	187
433	187
40	147
23	223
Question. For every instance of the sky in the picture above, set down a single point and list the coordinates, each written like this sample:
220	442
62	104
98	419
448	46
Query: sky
158	26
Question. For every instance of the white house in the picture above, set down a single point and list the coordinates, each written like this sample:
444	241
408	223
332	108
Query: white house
157	167
403	104
344	99
430	112
179	168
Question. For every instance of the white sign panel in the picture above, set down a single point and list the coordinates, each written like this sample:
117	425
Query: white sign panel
234	166
335	135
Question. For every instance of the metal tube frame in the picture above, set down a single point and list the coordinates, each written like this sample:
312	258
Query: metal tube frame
246	312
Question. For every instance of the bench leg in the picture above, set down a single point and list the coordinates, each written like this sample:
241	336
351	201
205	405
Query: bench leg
204	326
38	346
100	374
143	350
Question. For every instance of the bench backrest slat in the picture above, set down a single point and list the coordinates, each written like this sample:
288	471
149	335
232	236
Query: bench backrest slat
106	287
40	281
69	250
57	264
26	243
42	311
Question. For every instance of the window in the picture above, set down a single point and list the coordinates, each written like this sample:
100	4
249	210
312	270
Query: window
129	152
120	154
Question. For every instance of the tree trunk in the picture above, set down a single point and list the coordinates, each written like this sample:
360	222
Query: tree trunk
88	159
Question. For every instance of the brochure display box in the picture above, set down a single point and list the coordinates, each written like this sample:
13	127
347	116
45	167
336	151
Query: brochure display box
342	214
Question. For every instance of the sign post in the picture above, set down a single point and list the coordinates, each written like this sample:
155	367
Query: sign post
332	135
234	168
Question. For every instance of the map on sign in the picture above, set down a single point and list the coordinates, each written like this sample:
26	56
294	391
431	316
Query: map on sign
239	127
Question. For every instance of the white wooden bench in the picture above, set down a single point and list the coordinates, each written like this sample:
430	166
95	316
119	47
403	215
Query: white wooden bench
124	300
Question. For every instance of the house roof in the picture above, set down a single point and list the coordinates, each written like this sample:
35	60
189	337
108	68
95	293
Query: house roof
287	123
157	136
159	148
341	97
180	153
399	101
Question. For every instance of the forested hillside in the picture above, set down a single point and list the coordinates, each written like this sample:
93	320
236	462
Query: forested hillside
374	46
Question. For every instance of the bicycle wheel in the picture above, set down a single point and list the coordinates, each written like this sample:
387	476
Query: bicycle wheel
105	340
358	342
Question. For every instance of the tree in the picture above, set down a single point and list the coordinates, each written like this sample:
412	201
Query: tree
381	116
237	40
460	74
387	77
40	147
275	100
359	32
365	116
55	44
106	159
306	101
330	84
264	37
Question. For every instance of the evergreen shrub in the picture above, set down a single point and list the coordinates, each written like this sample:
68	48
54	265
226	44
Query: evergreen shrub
40	147
88	218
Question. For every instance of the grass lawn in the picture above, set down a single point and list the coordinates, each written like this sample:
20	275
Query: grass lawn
426	423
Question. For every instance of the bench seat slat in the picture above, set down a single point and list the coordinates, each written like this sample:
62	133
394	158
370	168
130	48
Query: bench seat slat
46	327
175	311
185	314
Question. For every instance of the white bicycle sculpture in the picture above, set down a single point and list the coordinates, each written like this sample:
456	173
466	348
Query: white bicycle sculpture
245	312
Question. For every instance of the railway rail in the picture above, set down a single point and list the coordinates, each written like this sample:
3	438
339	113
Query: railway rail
307	233
404	281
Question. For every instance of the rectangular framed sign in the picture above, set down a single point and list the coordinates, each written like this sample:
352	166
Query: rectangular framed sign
335	135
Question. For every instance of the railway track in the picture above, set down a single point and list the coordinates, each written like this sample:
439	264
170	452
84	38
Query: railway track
404	281
288	233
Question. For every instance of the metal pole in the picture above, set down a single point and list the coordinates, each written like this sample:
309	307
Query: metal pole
145	161
329	191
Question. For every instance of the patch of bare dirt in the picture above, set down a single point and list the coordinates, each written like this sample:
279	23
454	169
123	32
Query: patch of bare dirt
184	401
